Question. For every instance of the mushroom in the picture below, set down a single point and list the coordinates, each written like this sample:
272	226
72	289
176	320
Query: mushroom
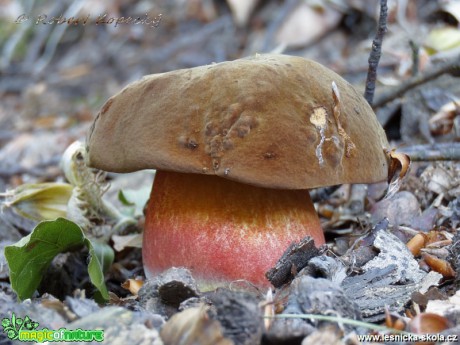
236	146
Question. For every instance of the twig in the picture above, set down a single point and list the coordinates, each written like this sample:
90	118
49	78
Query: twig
415	57
445	67
376	52
433	152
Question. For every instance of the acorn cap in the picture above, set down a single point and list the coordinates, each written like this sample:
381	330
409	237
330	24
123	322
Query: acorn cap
273	121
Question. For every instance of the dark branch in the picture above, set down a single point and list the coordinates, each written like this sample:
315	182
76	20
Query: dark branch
376	52
445	67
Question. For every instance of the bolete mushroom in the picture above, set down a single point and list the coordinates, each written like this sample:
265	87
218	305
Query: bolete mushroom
236	146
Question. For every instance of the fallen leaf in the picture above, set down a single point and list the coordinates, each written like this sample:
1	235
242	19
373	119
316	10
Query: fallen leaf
443	121
133	285
398	162
428	323
439	265
442	39
269	309
443	307
306	23
193	326
241	10
121	242
452	7
40	201
416	243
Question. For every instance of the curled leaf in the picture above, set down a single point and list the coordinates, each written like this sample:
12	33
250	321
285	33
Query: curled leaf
241	10
40	201
443	39
439	265
193	326
121	242
269	309
426	323
399	162
133	285
443	121
416	243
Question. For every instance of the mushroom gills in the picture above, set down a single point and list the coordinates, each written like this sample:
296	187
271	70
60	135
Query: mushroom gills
221	229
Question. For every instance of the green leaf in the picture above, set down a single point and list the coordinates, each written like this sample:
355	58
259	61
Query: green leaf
104	254
96	274
135	198
29	258
123	200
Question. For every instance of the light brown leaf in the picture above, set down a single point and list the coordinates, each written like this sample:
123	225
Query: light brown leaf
398	162
425	323
193	326
307	23
241	10
439	265
416	243
133	285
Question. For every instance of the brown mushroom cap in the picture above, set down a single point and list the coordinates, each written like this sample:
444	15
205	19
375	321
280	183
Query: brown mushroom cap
267	120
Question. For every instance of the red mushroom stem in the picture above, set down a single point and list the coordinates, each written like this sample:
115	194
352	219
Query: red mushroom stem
223	230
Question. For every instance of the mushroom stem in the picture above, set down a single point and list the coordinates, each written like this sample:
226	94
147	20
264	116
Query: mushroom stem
223	230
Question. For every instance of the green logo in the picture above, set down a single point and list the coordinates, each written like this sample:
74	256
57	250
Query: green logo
15	325
25	329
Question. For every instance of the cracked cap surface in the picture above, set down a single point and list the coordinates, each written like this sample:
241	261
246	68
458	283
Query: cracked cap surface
268	120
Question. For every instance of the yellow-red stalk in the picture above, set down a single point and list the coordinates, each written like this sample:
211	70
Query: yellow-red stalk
223	230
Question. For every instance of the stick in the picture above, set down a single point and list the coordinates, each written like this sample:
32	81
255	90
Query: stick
376	52
415	57
436	71
433	152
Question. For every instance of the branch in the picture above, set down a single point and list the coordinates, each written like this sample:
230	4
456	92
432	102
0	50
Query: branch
445	67
376	52
433	152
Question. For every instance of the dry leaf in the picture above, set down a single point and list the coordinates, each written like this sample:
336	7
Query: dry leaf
443	121
439	265
440	179
41	201
452	7
193	326
443	307
306	23
416	243
442	39
394	321
401	208
121	242
398	162
428	323
241	10
133	285
326	335
269	309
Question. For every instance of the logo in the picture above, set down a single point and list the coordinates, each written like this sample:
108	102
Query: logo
25	329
